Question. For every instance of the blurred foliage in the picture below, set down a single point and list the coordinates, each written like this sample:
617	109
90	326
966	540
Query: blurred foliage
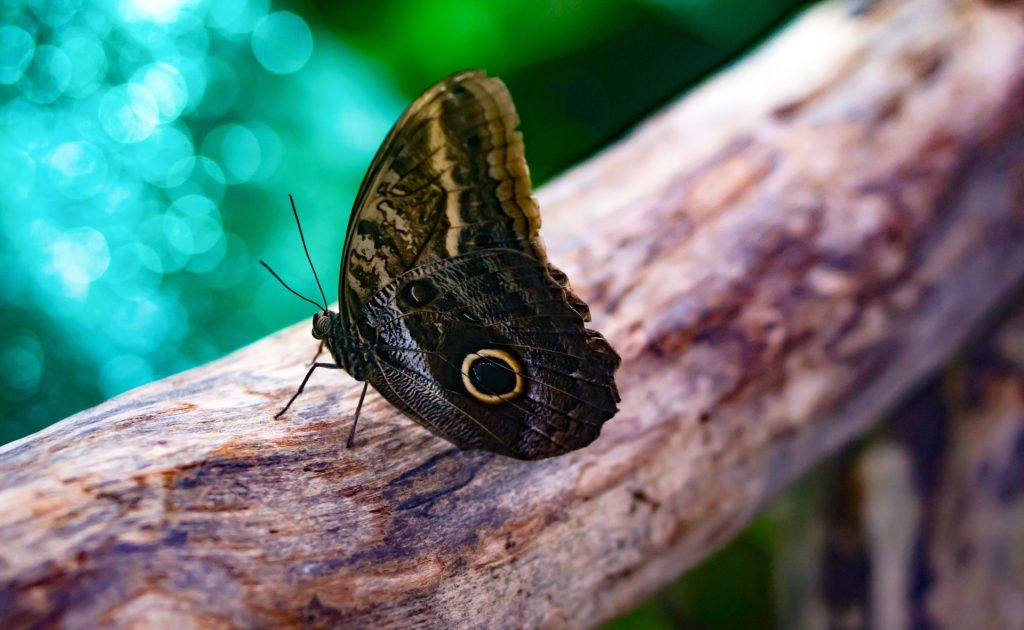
147	146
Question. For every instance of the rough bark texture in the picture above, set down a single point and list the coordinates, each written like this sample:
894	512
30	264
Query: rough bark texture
777	257
922	525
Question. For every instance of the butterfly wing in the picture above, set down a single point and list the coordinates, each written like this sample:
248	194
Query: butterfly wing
548	383
449	177
444	275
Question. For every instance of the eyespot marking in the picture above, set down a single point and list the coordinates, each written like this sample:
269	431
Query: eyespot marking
418	293
492	376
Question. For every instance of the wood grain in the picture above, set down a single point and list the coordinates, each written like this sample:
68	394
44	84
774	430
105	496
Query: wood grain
921	524
778	257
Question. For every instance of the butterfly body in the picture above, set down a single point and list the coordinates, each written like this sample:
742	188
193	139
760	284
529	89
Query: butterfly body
449	307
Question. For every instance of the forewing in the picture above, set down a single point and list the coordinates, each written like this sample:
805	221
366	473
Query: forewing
450	178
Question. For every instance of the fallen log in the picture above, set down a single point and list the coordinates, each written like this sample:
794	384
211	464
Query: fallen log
777	257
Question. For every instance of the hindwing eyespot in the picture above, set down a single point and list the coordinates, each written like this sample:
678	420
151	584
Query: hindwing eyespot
492	376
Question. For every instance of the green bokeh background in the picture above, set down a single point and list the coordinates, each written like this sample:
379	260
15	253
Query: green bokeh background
147	147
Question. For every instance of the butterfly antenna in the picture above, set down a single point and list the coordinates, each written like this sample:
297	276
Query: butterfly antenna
285	284
306	249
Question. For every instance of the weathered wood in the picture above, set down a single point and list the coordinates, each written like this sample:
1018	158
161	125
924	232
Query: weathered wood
777	258
923	524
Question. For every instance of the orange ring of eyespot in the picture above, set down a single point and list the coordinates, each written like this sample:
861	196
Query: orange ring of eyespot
493	353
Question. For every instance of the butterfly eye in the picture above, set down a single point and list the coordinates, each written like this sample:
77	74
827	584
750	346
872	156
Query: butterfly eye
418	293
492	376
321	326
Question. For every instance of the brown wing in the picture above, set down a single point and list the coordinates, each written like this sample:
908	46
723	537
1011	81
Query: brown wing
551	385
445	278
451	177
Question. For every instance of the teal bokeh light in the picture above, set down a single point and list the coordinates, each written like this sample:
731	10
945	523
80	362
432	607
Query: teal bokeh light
165	158
16	50
78	169
145	155
21	364
47	75
79	256
129	113
237	149
88	61
282	42
167	86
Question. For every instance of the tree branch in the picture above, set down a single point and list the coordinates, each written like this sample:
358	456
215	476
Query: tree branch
921	524
777	257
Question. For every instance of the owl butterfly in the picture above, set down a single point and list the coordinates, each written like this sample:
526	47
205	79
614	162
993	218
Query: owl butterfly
448	304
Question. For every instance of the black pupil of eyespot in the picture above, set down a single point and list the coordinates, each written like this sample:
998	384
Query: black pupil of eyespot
492	376
419	292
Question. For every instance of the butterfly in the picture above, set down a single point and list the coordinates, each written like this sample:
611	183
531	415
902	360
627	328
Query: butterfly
448	304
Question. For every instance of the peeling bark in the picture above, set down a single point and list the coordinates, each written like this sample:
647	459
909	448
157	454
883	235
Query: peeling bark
778	257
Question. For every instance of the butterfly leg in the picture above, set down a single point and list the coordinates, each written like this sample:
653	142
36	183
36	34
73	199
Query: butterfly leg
352	434
329	366
319	351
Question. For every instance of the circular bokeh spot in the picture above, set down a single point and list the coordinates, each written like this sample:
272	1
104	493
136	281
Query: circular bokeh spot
157	11
55	13
25	122
221	89
237	17
79	169
135	269
191	41
167	86
21	365
200	218
16	50
237	149
205	177
17	173
163	157
270	151
80	256
88	63
282	42
233	267
47	76
129	113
